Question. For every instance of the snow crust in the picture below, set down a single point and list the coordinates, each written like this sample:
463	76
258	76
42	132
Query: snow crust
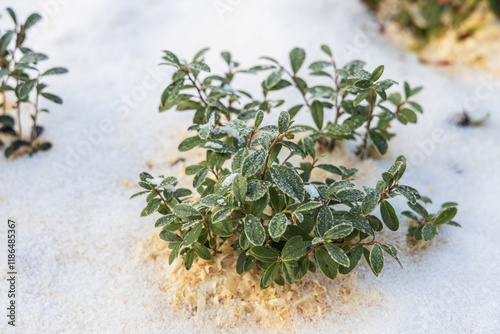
79	268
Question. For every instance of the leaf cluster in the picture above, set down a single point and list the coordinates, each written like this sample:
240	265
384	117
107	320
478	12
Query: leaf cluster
22	80
282	224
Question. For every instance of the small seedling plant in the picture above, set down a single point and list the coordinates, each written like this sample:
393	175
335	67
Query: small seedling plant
280	222
22	83
349	103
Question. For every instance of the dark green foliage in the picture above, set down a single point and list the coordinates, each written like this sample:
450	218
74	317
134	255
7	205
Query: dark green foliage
21	81
280	222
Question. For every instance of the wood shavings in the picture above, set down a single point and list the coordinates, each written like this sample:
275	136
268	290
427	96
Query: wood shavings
213	291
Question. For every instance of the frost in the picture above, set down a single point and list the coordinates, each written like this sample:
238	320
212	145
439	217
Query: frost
228	180
213	145
170	188
311	191
221	201
156	181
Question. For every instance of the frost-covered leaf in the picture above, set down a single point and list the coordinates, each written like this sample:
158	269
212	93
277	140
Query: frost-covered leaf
192	235
186	212
264	254
376	259
337	254
253	163
297	57
277	226
256	189
288	181
370	202
324	221
254	231
446	215
339	230
295	248
389	216
325	262
429	231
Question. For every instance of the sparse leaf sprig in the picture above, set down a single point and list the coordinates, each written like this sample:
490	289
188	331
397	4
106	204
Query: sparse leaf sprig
22	80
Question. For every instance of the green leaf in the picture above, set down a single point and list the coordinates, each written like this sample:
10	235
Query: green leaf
240	188
256	189
350	195
192	235
376	259
377	73
212	201
12	15
186	212
199	66
337	254
259	117
254	230
446	215
418	208
151	207
429	231
200	177
169	56
53	98
389	216
189	259
253	163
170	236
324	221
378	141
325	262
277	226
338	185
354	255
370	202
283	121
269	275
326	50
317	113
55	71
165	220
288	272
273	79
338	231
190	143
297	57
295	248
359	221
308	206
202	251
288	181
408	192
264	254
139	194
393	252
219	147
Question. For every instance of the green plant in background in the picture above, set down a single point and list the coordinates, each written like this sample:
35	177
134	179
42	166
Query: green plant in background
353	104
429	19
281	223
23	81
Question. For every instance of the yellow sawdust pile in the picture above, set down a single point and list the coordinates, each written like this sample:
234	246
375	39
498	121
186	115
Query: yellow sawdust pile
480	48
214	291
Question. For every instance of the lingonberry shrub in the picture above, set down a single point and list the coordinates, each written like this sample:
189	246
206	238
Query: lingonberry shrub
22	83
250	193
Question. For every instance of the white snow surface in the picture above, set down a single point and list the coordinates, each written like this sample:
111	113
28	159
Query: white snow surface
78	233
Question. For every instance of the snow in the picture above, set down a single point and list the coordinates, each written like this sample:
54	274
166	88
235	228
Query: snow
78	235
228	180
214	145
311	191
